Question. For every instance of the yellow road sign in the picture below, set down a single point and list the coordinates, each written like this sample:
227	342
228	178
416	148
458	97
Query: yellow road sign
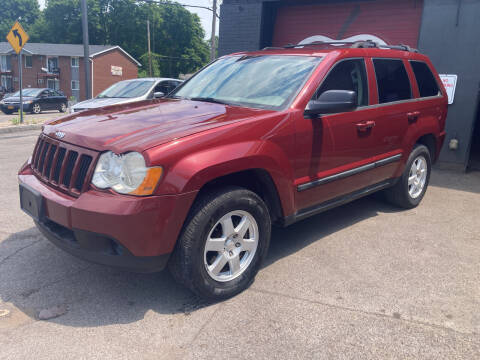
17	37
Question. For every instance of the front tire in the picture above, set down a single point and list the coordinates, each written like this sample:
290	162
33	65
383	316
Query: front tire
410	189
223	243
62	108
36	108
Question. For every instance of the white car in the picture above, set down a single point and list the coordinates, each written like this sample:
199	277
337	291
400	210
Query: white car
128	91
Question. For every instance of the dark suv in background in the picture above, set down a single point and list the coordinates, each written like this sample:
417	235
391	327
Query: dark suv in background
196	180
35	101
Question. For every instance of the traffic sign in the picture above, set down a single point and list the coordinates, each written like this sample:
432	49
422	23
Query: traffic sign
17	37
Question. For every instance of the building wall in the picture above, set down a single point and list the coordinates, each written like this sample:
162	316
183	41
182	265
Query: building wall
102	71
449	35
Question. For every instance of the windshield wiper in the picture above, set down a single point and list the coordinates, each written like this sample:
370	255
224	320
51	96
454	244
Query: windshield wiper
209	99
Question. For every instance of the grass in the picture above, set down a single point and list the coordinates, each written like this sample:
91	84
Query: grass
16	121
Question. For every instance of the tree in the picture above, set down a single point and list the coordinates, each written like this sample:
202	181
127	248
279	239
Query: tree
27	11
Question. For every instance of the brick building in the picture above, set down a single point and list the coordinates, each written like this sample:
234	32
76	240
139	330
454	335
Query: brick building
61	67
446	30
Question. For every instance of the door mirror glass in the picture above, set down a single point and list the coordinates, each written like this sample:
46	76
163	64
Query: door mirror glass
158	94
332	101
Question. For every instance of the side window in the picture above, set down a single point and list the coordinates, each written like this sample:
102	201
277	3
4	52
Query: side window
427	85
347	75
392	80
162	87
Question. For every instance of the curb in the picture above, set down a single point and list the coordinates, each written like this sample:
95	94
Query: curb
19	128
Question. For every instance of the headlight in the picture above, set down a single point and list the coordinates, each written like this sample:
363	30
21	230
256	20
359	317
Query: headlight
126	174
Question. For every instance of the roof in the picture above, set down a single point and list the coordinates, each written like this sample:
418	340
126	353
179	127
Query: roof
73	50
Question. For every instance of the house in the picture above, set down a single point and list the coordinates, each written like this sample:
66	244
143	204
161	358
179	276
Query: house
61	67
447	31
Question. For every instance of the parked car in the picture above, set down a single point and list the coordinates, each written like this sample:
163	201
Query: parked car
35	101
196	180
128	91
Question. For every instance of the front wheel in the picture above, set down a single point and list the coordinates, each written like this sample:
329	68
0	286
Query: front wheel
36	108
62	108
222	244
408	192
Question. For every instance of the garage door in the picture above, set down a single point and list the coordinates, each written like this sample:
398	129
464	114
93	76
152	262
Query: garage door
391	22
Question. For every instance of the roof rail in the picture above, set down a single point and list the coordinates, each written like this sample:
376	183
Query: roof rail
352	44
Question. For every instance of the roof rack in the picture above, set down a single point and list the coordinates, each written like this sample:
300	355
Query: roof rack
351	44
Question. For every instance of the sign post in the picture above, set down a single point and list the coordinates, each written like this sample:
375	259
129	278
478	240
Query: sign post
17	37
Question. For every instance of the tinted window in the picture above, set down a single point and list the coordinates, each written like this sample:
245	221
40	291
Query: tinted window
392	80
163	87
348	75
427	85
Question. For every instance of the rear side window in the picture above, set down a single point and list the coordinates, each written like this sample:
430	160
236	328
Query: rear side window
347	75
427	85
392	80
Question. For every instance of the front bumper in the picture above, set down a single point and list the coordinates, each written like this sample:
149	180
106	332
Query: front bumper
15	107
134	233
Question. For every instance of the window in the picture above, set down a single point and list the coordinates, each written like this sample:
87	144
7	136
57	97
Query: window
392	80
163	87
427	85
74	61
347	75
53	84
259	81
75	85
28	61
52	64
5	63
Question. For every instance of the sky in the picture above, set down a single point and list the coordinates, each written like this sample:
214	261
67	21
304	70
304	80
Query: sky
205	15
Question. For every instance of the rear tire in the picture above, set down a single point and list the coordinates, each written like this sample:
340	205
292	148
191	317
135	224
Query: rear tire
223	243
408	192
62	108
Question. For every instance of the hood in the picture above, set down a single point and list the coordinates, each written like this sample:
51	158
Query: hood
101	102
142	125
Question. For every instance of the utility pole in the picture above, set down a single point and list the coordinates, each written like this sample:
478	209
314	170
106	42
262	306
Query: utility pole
149	52
86	54
213	51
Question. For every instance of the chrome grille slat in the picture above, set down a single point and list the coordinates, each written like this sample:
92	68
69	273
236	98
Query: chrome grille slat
63	166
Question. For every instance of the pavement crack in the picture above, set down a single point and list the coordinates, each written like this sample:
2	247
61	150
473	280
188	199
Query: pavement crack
17	251
364	312
205	324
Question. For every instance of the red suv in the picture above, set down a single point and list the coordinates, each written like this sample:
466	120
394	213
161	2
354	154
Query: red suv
195	180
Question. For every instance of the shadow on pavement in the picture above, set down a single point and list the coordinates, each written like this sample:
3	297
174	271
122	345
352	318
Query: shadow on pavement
35	274
469	182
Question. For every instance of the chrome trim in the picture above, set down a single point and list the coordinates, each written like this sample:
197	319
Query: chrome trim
351	172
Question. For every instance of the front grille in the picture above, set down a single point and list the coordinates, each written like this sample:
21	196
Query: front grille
63	166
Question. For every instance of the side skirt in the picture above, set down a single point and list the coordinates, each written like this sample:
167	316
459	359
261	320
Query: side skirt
338	201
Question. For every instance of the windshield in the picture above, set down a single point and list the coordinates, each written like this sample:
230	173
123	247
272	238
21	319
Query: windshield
266	81
27	92
127	89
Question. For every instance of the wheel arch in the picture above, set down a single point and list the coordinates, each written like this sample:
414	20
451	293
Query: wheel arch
431	143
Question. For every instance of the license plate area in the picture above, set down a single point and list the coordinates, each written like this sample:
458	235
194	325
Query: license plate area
31	202
10	107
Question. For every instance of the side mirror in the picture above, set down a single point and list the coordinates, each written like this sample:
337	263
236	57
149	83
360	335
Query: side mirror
332	101
158	94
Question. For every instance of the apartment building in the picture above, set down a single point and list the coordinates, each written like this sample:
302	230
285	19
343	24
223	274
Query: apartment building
61	67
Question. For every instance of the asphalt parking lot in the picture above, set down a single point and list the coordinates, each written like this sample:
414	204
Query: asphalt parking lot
363	281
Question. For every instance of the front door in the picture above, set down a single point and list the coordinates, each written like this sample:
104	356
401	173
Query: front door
333	147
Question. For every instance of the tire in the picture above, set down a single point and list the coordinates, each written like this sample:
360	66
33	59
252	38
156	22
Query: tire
62	108
192	265
409	193
36	108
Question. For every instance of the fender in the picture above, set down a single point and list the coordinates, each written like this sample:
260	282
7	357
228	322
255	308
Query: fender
195	170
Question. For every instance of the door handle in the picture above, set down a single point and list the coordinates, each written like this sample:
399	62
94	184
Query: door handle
413	116
365	125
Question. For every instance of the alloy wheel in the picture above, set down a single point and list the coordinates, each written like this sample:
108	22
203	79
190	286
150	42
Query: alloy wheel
231	245
417	177
36	108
